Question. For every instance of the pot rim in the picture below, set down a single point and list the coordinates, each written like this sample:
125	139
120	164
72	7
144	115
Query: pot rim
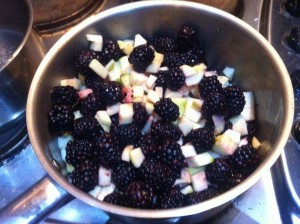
188	210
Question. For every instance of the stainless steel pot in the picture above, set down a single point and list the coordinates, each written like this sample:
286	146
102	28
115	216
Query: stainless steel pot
227	40
21	52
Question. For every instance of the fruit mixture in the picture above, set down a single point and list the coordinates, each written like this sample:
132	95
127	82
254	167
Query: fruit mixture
148	125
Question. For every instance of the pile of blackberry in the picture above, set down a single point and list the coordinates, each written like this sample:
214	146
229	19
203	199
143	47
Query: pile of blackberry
151	186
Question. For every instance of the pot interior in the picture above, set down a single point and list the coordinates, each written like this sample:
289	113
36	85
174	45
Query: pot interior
227	42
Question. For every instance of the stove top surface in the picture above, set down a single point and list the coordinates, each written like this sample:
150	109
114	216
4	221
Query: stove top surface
274	199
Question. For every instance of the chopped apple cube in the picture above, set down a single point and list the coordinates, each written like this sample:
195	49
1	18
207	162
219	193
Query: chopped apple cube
138	92
201	159
76	83
96	41
137	79
152	96
106	191
113	109
185	125
149	107
255	143
239	124
188	70
249	109
172	94
104	176
114	72
148	124
63	140
104	120
194	79
126	113
126	153
125	80
158	57
98	68
200	67
125	66
139	40
227	143
95	192
136	157
181	103
153	67
188	150
219	123
151	81
199	181
229	72
160	91
187	190
223	80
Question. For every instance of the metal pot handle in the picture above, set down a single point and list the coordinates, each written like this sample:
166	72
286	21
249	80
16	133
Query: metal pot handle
36	203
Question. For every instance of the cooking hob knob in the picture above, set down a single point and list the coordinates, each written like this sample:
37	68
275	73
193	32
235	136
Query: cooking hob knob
295	78
297	131
293	39
293	7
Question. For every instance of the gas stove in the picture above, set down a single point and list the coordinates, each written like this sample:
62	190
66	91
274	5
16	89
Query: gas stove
273	199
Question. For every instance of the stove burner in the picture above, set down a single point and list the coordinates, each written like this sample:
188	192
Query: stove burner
293	7
293	39
55	16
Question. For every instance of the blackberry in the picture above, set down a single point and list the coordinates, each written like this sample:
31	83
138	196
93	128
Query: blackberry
108	150
149	148
123	174
93	82
110	93
83	59
251	127
128	134
170	153
65	95
165	44
163	130
161	78
209	85
79	150
60	118
86	126
186	38
173	60
245	157
91	104
141	56
157	173
141	195
235	99
194	56
114	123
166	109
196	197
111	50
215	104
175	79
202	139
116	198
172	199
140	116
221	172
85	175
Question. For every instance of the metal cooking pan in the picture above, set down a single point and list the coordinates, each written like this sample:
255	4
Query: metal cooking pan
21	52
227	41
